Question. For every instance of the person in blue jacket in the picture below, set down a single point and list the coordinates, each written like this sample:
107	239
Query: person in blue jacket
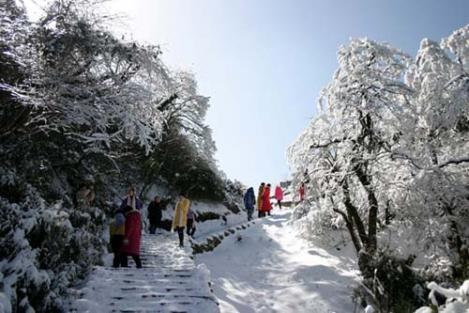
249	202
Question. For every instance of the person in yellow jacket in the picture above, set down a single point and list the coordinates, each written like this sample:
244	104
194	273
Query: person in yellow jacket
260	192
180	217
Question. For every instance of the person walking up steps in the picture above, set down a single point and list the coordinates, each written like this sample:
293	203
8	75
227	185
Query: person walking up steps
117	232
259	200
249	202
155	213
180	217
132	238
279	196
131	200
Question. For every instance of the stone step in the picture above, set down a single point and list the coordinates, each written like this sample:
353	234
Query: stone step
166	283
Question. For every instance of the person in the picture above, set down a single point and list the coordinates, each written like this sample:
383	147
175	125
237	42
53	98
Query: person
279	196
132	200
180	217
117	232
155	213
249	202
302	192
266	205
132	237
85	196
190	223
259	199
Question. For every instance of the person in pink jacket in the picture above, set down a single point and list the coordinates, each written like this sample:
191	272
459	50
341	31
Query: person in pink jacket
133	234
279	196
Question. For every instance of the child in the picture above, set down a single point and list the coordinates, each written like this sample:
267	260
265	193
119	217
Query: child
190	223
117	232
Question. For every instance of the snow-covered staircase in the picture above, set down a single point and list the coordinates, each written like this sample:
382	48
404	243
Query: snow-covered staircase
168	282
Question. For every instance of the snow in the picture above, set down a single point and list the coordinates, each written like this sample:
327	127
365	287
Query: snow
464	291
205	206
168	282
269	268
211	226
455	307
5	305
369	309
456	300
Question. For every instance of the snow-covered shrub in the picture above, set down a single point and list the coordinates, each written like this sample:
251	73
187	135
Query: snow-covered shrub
457	300
233	196
312	223
46	253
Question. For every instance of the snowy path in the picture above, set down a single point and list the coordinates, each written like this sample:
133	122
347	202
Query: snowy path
267	268
168	282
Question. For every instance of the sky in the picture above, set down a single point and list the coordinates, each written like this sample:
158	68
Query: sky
263	63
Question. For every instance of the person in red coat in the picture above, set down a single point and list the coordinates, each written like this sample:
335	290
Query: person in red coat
302	192
132	237
266	206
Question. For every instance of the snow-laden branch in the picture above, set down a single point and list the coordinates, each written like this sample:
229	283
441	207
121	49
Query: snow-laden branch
326	144
454	161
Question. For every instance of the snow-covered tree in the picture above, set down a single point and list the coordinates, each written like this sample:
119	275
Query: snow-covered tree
185	155
344	146
388	151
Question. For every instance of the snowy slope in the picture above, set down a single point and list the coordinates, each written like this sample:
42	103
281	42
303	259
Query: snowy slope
268	268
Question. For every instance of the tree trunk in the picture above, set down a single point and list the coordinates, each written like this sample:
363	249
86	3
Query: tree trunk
365	180
352	211
349	224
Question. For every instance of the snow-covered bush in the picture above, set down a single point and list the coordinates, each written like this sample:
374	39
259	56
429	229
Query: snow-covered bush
457	300
233	195
46	252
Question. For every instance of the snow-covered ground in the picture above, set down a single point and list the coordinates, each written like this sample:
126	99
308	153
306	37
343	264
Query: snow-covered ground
264	268
168	282
213	226
268	268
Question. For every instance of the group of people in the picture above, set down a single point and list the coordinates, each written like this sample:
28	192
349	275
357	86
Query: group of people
126	231
263	204
126	226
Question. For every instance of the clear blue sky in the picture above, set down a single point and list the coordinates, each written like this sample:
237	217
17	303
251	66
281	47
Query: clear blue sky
264	62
